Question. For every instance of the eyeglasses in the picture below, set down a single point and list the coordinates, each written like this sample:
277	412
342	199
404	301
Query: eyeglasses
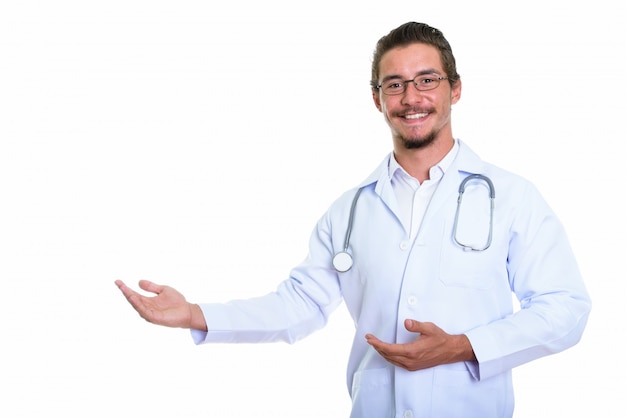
422	82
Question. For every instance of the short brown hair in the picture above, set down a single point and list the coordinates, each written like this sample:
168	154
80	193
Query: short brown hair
413	32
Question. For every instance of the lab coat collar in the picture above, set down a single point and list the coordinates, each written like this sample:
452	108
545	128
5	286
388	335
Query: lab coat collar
466	161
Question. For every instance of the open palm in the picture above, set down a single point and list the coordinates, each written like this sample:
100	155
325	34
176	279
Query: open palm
168	307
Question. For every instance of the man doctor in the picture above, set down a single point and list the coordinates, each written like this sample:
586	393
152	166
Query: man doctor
430	288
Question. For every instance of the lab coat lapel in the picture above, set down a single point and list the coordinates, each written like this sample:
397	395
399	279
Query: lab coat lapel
383	187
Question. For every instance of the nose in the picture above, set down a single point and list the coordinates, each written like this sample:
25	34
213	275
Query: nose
411	94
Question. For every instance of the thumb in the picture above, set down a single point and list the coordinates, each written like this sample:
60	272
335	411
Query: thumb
148	286
413	325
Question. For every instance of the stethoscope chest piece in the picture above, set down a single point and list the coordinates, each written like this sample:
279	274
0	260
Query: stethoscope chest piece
342	261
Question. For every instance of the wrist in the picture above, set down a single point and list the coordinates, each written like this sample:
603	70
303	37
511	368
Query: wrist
197	320
465	350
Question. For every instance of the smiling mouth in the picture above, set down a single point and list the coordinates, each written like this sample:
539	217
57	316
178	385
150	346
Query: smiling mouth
415	116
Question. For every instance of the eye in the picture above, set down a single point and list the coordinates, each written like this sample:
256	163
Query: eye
426	80
394	85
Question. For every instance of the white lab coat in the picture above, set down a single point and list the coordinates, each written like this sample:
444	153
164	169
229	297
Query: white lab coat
430	279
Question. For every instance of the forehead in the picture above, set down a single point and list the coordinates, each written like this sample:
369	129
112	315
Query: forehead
407	61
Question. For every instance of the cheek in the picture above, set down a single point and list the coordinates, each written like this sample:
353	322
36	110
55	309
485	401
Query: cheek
377	102
385	107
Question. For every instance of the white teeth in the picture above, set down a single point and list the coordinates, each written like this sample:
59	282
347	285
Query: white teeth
416	116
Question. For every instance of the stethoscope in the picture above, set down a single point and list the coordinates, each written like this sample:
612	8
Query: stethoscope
343	261
492	198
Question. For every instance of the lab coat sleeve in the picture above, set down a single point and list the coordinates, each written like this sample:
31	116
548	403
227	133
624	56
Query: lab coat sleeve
299	306
544	275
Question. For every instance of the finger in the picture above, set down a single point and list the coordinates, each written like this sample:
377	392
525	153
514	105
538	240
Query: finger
127	291
382	347
148	286
122	286
386	352
372	340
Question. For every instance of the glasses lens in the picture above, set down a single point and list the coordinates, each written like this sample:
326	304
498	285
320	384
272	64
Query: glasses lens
393	87
427	82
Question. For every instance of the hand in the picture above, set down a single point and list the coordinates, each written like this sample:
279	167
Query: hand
168	307
431	348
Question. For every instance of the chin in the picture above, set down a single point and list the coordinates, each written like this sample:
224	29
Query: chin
417	143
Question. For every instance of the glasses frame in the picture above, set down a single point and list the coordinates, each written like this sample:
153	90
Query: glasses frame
436	77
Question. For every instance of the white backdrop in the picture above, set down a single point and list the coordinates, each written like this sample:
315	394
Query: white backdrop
196	145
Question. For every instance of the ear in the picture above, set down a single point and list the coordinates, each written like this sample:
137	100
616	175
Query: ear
455	94
376	97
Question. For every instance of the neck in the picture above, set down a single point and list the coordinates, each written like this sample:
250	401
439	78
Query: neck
418	162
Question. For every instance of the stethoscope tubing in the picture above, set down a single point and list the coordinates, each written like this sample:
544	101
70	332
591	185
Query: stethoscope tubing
343	261
492	197
346	241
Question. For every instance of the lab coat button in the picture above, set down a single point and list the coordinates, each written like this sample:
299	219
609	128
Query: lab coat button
408	414
412	300
404	245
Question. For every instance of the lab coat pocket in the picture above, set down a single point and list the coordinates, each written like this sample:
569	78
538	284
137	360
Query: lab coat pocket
469	245
459	267
371	393
468	269
457	394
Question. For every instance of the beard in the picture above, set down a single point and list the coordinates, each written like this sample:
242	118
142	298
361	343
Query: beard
413	141
418	142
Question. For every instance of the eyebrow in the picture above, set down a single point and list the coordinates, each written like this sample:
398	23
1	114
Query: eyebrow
422	72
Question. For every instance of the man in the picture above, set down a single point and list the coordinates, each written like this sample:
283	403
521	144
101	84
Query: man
427	276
